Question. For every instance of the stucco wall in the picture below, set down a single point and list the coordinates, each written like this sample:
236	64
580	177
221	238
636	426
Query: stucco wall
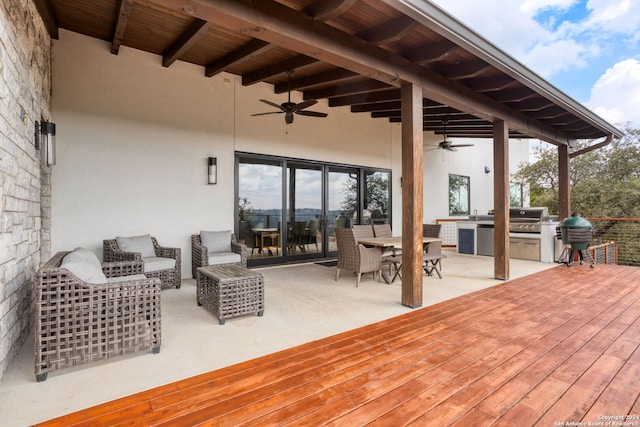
133	138
24	97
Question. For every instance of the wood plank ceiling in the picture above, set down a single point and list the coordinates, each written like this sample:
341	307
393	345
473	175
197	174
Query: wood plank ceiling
470	88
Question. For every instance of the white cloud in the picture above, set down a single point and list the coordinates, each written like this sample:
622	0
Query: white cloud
556	56
616	95
531	7
511	26
617	16
607	30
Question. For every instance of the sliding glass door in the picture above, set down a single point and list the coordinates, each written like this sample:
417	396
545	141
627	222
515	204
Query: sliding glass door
305	210
343	202
287	209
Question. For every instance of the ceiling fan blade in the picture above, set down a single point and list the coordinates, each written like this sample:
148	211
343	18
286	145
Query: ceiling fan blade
451	148
273	104
311	113
462	145
305	104
264	114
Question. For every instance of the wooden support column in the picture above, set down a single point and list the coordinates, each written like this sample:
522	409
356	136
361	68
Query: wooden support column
564	193
412	195
501	199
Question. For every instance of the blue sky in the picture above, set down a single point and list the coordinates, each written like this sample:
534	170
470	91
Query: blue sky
589	49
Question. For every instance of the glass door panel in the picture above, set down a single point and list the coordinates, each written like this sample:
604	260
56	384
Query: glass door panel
260	207
343	205
305	212
376	197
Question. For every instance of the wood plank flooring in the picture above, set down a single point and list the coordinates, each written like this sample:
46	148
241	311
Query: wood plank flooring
555	347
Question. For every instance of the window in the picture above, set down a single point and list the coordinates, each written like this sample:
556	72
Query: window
516	198
459	195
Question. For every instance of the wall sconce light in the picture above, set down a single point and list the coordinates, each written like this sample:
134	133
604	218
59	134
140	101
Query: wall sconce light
212	170
45	136
487	169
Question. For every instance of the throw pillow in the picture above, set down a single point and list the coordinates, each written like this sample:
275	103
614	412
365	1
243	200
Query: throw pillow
85	265
141	244
216	241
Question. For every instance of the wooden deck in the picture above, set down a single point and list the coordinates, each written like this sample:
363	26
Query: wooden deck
555	347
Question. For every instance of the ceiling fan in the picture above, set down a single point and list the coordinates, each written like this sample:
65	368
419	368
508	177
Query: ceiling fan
447	145
290	108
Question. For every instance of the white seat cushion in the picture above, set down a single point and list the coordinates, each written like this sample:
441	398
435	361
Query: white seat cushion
216	241
158	263
224	258
85	265
126	278
141	244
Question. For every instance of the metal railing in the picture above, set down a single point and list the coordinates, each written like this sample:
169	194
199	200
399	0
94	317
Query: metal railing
625	232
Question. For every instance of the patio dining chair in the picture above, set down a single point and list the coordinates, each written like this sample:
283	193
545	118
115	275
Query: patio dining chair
391	257
433	251
355	257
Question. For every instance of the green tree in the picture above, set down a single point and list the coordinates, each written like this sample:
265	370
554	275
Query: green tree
603	183
376	194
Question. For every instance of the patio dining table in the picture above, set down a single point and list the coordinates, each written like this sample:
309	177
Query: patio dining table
267	238
392	242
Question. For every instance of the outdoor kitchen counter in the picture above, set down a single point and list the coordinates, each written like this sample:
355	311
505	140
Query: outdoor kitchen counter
468	238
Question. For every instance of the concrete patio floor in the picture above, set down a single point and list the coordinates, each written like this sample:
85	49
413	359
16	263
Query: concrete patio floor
302	303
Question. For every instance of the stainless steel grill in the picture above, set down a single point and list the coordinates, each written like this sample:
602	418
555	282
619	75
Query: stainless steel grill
527	220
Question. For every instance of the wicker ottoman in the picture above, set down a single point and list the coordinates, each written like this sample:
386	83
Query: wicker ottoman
230	290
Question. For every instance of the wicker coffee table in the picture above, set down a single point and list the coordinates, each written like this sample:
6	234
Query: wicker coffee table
230	290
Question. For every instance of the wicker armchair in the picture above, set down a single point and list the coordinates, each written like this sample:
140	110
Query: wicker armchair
170	277
355	257
201	257
79	322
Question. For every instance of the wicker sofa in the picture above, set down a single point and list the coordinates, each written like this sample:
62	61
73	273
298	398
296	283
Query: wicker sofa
170	277
80	322
229	251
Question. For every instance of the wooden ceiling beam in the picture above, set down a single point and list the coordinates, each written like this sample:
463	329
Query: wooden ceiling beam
390	31
460	121
389	105
320	11
431	53
249	50
550	114
265	73
443	112
492	84
196	30
331	76
365	98
514	95
281	25
464	70
48	17
538	104
346	89
328	9
124	9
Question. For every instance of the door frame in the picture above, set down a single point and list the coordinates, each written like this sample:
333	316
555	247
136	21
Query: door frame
326	168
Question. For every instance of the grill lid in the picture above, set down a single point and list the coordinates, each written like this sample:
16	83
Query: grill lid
539	214
576	221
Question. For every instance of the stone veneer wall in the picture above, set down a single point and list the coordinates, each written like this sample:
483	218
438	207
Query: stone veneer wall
25	93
